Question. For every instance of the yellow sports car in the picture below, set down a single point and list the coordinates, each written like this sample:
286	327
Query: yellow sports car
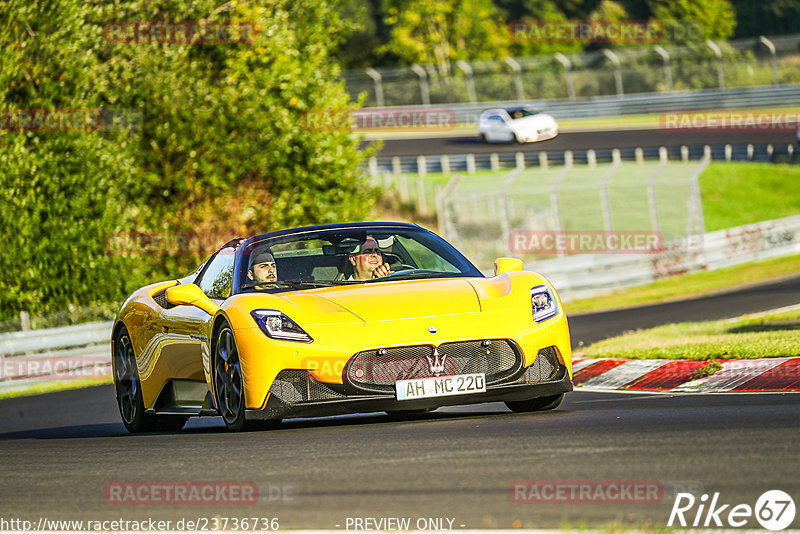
336	319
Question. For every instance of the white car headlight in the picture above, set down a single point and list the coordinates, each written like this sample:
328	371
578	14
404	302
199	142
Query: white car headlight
543	303
277	325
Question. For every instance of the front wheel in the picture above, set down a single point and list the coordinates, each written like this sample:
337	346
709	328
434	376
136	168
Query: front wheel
538	404
229	384
129	392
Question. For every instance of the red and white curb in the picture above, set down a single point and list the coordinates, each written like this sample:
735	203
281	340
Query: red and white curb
764	374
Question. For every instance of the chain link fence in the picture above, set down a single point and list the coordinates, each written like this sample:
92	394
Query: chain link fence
645	69
490	217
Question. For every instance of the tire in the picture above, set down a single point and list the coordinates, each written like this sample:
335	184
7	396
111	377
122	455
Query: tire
229	385
129	392
538	404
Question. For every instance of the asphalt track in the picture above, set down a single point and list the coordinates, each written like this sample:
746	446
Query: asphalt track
583	141
60	451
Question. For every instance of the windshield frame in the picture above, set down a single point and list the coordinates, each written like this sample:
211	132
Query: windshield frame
240	285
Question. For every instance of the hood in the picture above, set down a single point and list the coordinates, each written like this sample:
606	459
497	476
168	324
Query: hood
407	299
540	120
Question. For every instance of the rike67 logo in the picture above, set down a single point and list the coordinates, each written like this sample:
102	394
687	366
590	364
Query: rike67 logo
774	510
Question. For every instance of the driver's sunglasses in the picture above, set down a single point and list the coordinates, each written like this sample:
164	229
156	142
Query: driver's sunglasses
370	251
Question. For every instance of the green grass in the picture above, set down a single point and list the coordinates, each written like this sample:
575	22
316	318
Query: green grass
733	194
775	335
690	285
741	193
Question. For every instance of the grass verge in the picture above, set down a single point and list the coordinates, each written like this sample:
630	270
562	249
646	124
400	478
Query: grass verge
690	285
765	336
742	193
60	385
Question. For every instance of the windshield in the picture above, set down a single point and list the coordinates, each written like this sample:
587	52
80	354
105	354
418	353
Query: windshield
342	256
522	112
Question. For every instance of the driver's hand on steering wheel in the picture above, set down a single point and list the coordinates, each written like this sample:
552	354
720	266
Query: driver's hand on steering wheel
382	270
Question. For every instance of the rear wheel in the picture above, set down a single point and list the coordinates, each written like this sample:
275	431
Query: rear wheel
129	392
538	404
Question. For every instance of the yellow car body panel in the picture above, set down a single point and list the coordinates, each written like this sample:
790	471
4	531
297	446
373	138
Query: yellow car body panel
389	314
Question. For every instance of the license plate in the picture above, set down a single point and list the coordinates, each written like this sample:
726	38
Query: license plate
440	386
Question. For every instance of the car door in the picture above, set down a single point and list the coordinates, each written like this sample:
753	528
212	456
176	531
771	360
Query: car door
188	327
497	128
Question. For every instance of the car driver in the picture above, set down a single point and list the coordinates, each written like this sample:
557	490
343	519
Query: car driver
262	268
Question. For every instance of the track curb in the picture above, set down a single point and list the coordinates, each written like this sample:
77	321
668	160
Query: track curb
678	376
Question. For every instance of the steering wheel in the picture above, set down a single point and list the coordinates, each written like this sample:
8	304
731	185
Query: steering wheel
394	258
412	270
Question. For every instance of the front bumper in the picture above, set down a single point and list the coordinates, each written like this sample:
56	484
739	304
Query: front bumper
276	408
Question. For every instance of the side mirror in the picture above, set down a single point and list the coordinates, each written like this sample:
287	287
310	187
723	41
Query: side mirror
504	265
190	295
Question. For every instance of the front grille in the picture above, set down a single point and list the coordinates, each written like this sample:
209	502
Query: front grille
296	385
546	367
377	370
161	300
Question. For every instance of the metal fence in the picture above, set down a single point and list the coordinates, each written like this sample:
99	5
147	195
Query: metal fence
77	352
610	72
661	199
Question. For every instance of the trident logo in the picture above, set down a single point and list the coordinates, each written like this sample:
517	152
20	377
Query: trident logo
435	364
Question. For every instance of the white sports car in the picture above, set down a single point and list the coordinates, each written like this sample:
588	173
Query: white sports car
520	124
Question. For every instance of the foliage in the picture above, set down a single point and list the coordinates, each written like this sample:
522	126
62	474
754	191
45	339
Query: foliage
442	32
59	189
716	19
220	148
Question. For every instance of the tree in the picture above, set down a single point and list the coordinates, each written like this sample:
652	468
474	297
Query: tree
221	148
439	33
715	19
59	180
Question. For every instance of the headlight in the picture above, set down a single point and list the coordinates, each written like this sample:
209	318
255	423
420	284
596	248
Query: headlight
278	326
543	303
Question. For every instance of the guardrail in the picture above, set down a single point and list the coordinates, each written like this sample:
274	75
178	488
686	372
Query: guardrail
588	275
632	104
469	163
65	353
